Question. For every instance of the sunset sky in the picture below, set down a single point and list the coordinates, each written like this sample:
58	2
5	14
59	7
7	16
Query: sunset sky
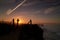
40	11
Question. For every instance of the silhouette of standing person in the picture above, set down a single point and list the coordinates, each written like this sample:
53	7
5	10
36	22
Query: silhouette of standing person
30	22
13	25
17	22
13	21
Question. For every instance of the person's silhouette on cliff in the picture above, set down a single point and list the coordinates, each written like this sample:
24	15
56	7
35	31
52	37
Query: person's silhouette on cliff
17	23
30	21
13	21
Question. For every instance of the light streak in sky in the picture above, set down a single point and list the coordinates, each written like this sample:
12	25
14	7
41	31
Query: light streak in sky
11	10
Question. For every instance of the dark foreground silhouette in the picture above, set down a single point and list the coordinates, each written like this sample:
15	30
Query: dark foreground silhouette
31	32
24	31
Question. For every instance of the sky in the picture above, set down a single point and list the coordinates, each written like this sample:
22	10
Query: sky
39	11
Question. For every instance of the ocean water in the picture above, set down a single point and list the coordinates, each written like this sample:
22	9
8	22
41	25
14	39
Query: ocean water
51	31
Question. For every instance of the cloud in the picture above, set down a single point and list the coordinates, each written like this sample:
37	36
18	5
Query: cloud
44	11
10	11
48	10
43	2
6	1
28	4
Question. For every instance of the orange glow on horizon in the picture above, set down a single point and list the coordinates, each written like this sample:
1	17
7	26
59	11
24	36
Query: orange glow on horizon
20	21
25	20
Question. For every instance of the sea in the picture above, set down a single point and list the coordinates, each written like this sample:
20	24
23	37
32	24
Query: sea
51	31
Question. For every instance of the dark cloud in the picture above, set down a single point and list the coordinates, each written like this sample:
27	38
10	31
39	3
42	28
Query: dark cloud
32	5
49	2
36	2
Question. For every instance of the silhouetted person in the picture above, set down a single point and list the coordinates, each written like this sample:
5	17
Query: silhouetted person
30	22
31	32
17	22
13	21
13	27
